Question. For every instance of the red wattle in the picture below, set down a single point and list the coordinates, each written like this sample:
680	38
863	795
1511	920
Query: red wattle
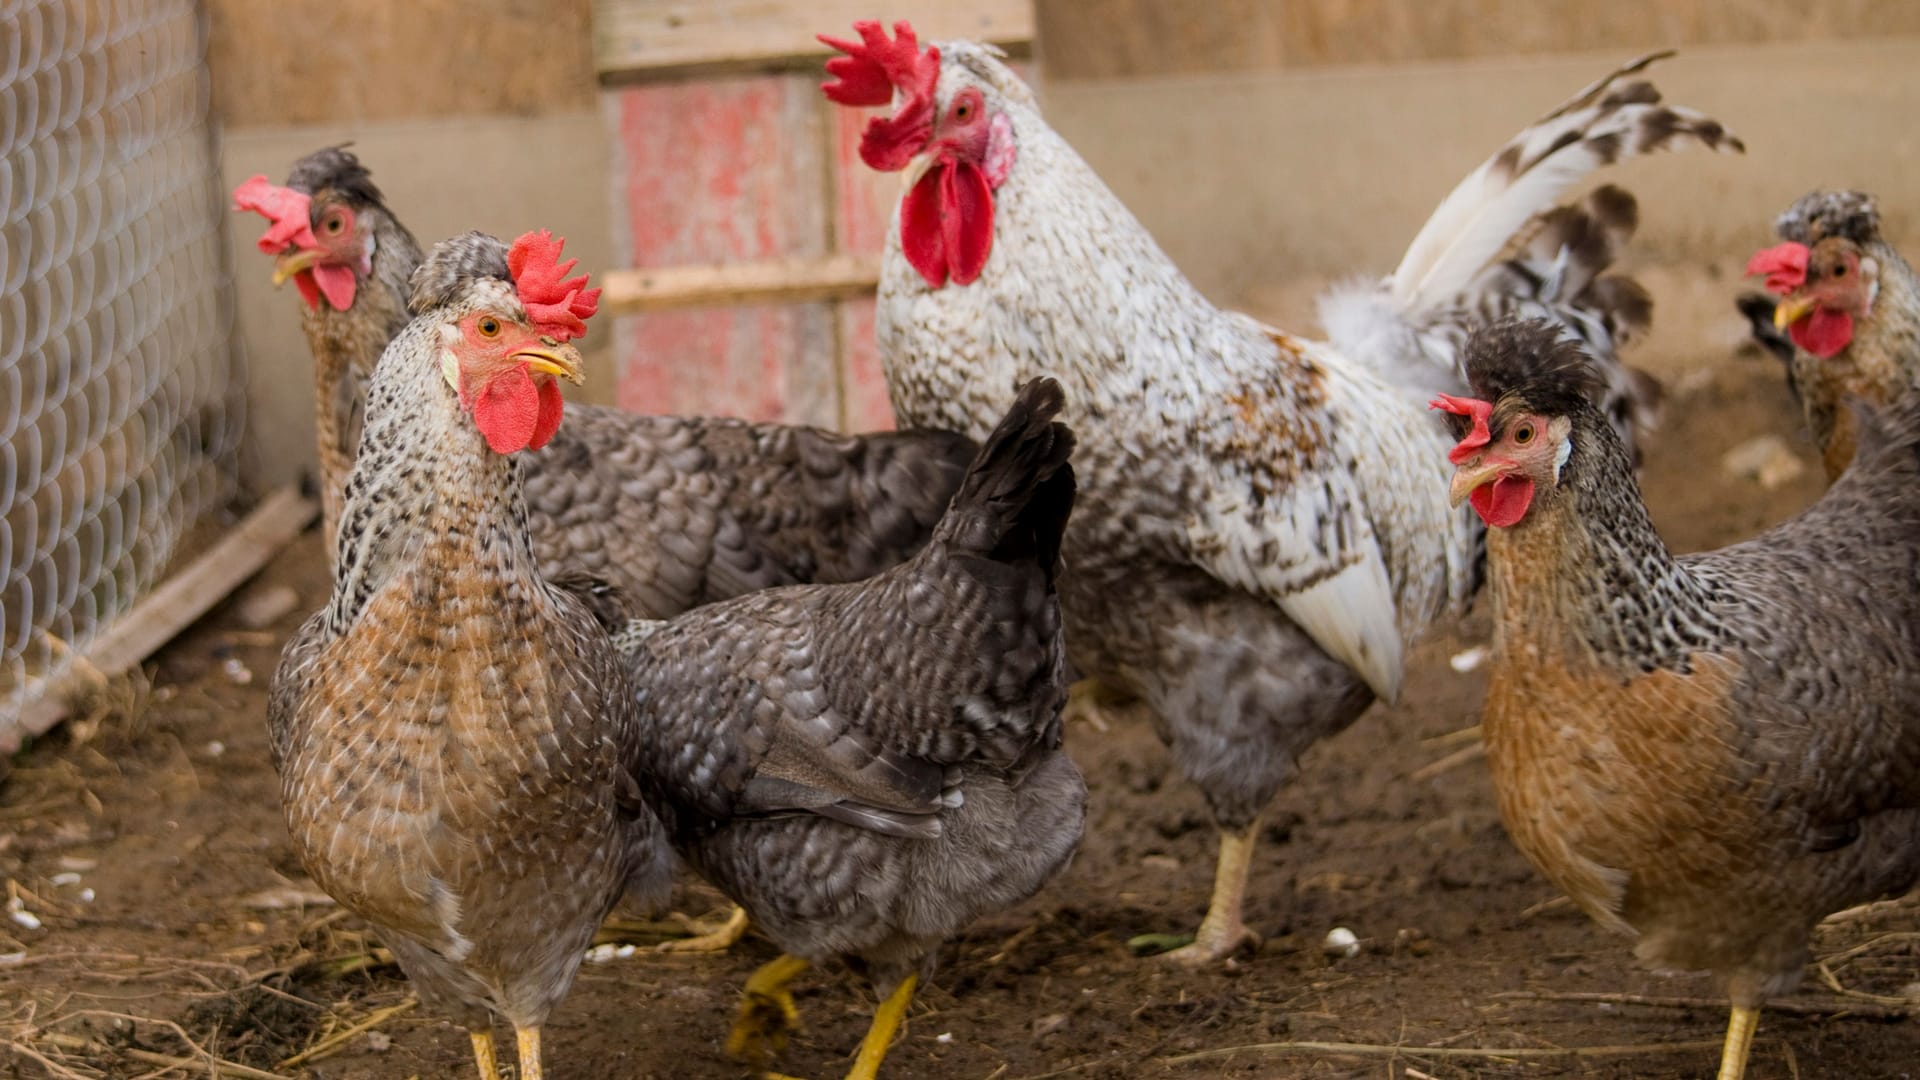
548	420
309	291
507	411
966	220
920	237
946	223
1504	502
337	283
1823	333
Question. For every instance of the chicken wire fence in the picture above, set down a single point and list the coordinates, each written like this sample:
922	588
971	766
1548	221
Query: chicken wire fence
119	404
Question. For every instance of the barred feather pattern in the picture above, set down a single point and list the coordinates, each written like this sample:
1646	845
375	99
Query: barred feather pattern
1711	751
1263	525
868	767
672	512
455	736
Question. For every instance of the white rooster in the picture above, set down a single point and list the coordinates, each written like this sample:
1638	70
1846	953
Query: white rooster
1263	523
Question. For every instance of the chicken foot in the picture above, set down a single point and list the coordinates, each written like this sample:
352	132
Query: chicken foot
483	1054
887	1019
1222	933
527	1040
767	1012
1740	1028
707	938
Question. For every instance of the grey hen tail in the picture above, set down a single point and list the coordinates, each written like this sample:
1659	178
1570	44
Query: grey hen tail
1013	505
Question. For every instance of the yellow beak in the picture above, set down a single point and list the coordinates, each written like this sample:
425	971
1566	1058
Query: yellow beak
560	361
1790	310
1470	478
917	167
293	262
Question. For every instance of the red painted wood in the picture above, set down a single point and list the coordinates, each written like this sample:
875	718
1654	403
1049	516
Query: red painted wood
722	170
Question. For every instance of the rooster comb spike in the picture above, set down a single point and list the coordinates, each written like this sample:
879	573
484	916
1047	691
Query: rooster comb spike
559	306
874	66
1479	412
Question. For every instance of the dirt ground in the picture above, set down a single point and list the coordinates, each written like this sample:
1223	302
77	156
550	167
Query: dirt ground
150	848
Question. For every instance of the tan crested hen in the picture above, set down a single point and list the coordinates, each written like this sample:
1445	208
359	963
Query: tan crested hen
456	738
1261	529
1850	309
671	511
1711	752
869	767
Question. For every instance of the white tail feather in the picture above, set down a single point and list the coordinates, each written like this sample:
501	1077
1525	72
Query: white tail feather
1481	216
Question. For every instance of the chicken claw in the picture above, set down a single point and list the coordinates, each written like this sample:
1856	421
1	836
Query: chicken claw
1222	933
707	938
767	1013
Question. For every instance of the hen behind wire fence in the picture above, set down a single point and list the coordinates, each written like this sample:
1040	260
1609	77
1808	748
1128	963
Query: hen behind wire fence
120	402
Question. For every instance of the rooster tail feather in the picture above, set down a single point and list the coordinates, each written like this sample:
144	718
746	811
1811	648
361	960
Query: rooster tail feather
1608	122
1014	503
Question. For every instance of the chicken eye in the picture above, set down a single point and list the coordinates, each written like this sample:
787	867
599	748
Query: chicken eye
963	111
1840	271
1523	435
335	224
489	326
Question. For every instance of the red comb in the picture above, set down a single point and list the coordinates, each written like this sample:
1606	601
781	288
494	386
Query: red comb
1481	411
868	74
1785	266
558	306
286	208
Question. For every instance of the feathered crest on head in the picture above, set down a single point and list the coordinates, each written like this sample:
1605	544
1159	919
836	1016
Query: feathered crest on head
557	305
337	168
868	74
1477	412
286	210
1820	214
1534	362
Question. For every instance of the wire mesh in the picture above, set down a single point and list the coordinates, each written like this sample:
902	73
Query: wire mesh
119	407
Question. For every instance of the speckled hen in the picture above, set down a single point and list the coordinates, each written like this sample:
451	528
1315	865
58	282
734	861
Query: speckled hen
1850	309
1262	526
456	737
867	768
1711	752
671	511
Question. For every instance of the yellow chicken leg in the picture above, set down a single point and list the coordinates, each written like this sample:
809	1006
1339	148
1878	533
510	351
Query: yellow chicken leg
1222	931
483	1054
528	1041
1740	1028
719	940
887	1019
767	1012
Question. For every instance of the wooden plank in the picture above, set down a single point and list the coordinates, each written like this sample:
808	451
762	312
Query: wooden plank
646	39
179	601
1120	39
783	281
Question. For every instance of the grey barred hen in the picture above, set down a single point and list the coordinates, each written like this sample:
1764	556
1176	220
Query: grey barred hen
672	512
1262	526
1711	752
456	737
867	768
1847	321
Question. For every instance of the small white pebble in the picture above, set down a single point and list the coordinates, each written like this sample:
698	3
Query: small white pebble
68	878
600	954
944	1037
1467	659
25	918
624	952
86	895
237	673
1341	943
216	748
